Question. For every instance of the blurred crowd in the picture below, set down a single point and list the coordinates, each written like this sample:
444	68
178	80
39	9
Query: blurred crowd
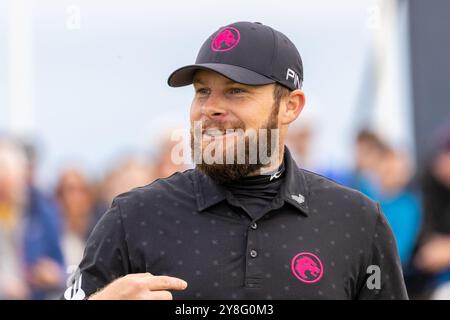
42	234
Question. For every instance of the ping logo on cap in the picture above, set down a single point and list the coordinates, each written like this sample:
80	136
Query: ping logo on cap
226	39
291	75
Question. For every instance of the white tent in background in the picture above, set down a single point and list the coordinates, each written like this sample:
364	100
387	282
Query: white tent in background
392	114
20	71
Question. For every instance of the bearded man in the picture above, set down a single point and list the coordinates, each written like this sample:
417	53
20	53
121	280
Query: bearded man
246	222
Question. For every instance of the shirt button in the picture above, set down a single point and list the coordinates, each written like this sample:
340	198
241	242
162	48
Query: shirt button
253	253
254	226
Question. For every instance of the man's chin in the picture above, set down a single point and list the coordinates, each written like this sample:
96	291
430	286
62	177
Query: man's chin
217	152
226	173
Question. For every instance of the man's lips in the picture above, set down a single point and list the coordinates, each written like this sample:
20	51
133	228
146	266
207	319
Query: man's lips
209	134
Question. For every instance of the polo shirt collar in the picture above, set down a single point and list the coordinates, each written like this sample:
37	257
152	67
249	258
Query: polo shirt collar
294	189
207	192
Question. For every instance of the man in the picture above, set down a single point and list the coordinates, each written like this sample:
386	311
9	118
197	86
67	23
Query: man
246	228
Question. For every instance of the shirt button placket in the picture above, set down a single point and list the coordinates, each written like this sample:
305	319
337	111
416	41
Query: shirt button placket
253	269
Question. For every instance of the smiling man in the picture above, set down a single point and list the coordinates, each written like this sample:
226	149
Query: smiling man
250	224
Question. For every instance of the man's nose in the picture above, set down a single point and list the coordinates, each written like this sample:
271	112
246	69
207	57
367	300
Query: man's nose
214	107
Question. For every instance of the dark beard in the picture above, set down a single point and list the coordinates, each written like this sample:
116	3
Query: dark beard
225	173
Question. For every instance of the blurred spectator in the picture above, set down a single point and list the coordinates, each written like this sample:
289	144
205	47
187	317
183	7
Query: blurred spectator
369	150
129	173
299	143
31	259
165	166
384	174
12	203
76	201
433	256
400	205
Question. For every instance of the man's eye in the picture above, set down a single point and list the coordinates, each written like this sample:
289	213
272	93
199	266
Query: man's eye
202	91
236	90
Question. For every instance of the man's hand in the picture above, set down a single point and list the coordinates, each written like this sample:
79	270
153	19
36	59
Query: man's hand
140	286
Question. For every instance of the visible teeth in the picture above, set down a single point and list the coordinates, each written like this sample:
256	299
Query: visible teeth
214	132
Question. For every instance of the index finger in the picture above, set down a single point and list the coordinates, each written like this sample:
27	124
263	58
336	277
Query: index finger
155	283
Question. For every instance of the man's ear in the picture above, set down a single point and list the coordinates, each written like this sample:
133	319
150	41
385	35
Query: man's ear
293	105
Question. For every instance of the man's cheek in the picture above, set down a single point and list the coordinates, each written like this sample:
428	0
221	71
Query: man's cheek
195	111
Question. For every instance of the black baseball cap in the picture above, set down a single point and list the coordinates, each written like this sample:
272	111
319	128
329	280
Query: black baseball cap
246	52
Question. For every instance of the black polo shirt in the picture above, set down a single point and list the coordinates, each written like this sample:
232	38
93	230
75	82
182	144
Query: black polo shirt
317	240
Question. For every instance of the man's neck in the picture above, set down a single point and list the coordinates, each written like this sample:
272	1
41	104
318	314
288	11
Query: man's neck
271	167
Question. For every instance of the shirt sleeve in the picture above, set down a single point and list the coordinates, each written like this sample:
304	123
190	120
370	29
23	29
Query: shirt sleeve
105	257
384	277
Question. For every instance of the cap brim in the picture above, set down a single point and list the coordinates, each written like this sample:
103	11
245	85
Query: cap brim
184	76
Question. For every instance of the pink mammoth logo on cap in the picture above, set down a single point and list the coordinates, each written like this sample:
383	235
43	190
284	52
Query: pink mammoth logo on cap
226	39
307	267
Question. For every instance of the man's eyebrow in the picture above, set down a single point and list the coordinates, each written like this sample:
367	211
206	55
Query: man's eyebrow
198	81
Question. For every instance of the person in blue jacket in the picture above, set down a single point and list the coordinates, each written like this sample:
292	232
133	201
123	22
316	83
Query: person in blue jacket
400	204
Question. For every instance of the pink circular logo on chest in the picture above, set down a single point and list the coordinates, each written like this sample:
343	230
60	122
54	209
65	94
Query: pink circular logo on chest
226	39
307	267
